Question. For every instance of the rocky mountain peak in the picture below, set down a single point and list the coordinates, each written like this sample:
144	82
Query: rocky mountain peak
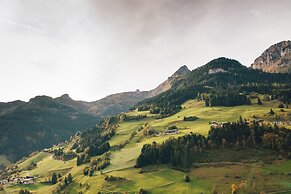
65	96
166	85
181	71
276	59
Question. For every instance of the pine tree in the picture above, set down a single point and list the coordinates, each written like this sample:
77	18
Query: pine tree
66	181
70	178
206	102
24	191
259	101
54	178
79	160
186	178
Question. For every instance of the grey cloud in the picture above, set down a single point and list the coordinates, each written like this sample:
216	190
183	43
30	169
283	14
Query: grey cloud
91	48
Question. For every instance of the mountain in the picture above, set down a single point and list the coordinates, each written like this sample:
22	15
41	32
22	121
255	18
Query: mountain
9	106
166	85
43	121
122	102
135	152
276	59
80	106
116	103
219	78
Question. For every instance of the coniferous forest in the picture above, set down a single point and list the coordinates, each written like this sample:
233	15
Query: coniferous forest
182	151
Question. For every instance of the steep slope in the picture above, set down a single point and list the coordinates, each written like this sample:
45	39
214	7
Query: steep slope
166	85
276	59
37	124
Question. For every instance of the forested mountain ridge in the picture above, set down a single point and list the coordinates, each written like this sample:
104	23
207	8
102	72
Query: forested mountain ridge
219	77
9	106
37	124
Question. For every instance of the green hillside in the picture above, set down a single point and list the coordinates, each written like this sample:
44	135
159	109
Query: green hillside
222	128
43	121
261	168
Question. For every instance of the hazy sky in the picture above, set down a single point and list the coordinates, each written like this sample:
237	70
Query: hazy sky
92	48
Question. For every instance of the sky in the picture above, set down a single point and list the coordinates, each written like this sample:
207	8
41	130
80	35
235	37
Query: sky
92	48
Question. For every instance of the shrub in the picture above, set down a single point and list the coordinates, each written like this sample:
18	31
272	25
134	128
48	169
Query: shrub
190	118
186	178
271	112
173	127
281	105
259	101
142	191
24	191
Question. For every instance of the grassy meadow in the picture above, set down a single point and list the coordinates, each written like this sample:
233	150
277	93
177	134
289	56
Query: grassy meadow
258	175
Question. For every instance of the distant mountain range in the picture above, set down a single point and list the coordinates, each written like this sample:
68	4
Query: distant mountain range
276	59
43	121
120	102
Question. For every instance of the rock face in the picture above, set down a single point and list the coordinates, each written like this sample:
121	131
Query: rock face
166	85
276	59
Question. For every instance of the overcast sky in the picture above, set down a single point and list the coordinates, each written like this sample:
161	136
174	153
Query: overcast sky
93	48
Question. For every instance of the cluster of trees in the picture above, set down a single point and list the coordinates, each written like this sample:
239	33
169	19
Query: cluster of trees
24	191
227	99
177	152
113	178
133	117
31	166
182	151
69	179
95	140
251	135
98	164
60	187
82	159
148	131
59	154
190	118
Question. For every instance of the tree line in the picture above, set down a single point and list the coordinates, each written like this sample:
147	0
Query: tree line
182	151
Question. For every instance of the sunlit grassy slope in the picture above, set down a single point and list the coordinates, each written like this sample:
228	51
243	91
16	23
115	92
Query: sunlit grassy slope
163	179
